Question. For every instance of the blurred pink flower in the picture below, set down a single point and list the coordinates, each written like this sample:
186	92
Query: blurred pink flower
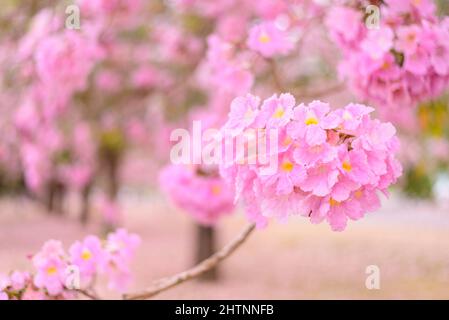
267	39
19	280
88	256
203	195
50	265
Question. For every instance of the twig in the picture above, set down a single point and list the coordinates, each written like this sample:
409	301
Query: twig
88	294
206	265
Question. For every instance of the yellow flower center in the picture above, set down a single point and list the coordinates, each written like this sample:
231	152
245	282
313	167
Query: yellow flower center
386	65
279	113
333	202
216	190
287	166
346	166
51	270
264	38
311	120
358	194
86	254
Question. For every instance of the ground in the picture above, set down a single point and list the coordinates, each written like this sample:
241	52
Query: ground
407	240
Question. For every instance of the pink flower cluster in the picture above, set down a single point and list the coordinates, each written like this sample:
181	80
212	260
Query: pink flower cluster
400	64
199	191
64	61
59	274
330	164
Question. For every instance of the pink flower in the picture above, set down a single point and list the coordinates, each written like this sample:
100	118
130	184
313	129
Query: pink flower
361	201
320	179
267	39
378	42
19	280
408	38
354	165
310	123
88	256
120	250
64	61
345	26
439	56
224	70
310	155
123	244
201	193
244	111
417	62
50	267
276	112
343	188
288	176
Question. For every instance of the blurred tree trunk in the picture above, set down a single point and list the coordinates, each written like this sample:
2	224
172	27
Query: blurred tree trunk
55	197
50	197
85	203
112	185
205	247
112	148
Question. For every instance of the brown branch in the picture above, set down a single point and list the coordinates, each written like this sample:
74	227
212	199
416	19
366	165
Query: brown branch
88	294
206	265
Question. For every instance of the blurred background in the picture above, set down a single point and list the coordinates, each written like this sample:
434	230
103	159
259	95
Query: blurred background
90	91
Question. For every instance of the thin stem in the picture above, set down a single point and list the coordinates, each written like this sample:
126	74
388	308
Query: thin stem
88	294
208	264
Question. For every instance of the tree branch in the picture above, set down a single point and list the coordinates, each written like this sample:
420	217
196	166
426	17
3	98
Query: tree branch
206	265
88	294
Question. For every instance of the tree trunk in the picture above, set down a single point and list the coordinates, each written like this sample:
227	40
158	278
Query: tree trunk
112	186
51	194
85	204
205	247
55	197
59	198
